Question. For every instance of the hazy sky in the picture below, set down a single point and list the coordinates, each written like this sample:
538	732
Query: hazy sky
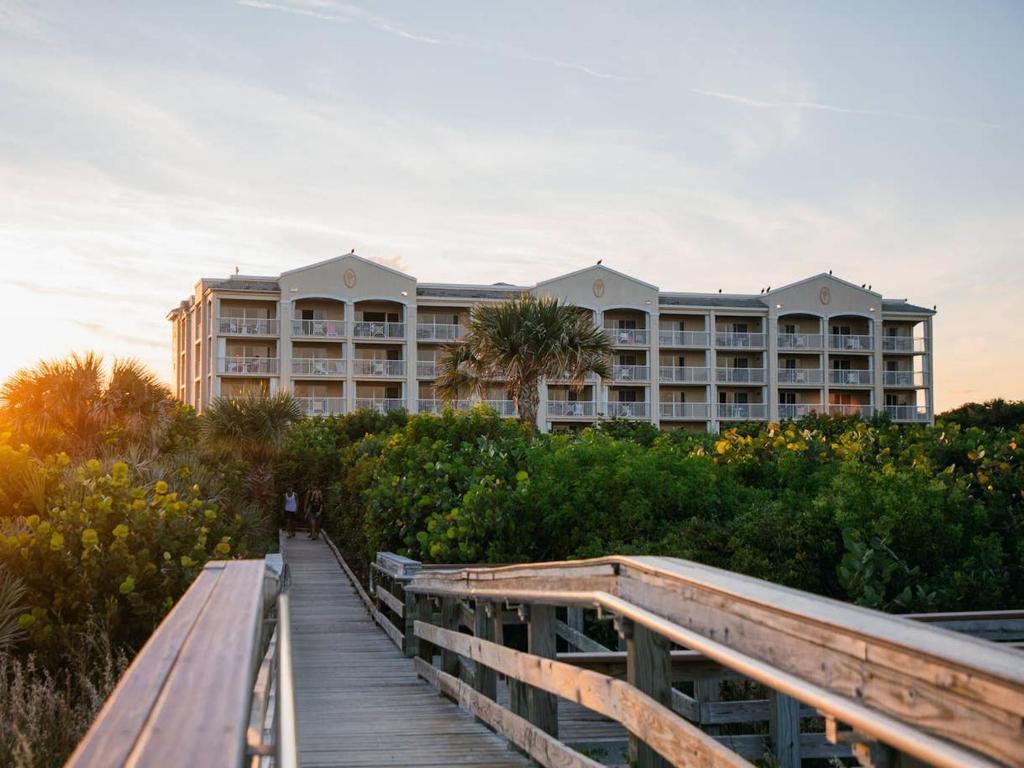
694	145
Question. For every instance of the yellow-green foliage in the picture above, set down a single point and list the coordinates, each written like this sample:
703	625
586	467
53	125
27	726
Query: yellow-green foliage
109	550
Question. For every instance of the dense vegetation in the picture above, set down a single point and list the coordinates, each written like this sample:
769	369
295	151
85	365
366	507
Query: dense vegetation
112	498
901	518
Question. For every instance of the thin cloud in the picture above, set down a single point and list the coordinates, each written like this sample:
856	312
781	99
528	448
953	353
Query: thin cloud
819	107
327	10
104	331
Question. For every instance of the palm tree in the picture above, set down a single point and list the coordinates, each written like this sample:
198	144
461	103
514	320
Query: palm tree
71	405
520	342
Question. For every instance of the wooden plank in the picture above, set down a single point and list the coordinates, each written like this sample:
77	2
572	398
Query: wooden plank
424	613
577	639
672	736
217	673
394	633
686	665
706	692
542	747
450	620
392	602
649	671
485	679
397	566
744	711
124	714
784	730
541	638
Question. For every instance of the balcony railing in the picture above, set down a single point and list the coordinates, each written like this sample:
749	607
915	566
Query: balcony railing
846	343
848	377
318	366
369	329
902	378
439	331
437	406
571	409
318	329
426	369
733	340
683	374
742	410
322	406
247	326
907	412
505	408
670	338
903	344
864	411
800	340
629	337
630	372
684	411
619	409
740	375
248	366
798	410
377	368
800	376
590	377
380	404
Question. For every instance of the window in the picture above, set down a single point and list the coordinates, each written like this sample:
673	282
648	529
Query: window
790	363
840	330
392	393
722	398
787	398
892	365
840	365
740	362
739	328
741	398
789	329
892	400
627	396
627	324
682	361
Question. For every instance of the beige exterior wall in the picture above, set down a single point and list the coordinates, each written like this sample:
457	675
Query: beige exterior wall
897	369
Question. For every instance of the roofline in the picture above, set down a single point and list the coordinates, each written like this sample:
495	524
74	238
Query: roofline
830	277
347	256
597	266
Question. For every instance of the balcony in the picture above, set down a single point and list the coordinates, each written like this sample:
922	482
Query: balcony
863	411
571	409
620	409
627	337
248	366
742	411
800	340
801	376
846	343
674	374
370	329
917	413
322	406
505	408
439	332
426	369
798	410
438	406
377	368
380	404
247	326
318	329
630	373
318	366
589	378
850	378
684	411
901	379
684	338
908	344
740	375
731	340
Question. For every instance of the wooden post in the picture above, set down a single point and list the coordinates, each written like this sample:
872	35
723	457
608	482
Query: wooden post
486	679
574	618
649	669
424	612
450	620
707	690
540	628
409	617
784	729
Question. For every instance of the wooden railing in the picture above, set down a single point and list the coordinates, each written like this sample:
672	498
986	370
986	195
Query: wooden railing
822	678
212	685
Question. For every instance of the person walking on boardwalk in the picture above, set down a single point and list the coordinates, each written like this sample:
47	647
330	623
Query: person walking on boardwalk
291	510
314	512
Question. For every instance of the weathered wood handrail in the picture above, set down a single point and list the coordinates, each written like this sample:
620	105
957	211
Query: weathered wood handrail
884	684
212	685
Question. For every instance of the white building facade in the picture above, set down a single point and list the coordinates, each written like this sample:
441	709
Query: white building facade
350	333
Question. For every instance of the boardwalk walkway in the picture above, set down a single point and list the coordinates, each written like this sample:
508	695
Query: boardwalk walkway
358	700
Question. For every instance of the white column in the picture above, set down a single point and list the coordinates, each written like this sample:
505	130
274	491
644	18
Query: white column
929	372
712	378
772	363
824	364
654	365
412	391
600	386
284	344
878	363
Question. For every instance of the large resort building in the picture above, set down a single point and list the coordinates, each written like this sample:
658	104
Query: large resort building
349	333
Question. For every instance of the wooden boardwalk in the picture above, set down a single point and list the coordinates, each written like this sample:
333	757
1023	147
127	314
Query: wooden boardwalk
358	700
